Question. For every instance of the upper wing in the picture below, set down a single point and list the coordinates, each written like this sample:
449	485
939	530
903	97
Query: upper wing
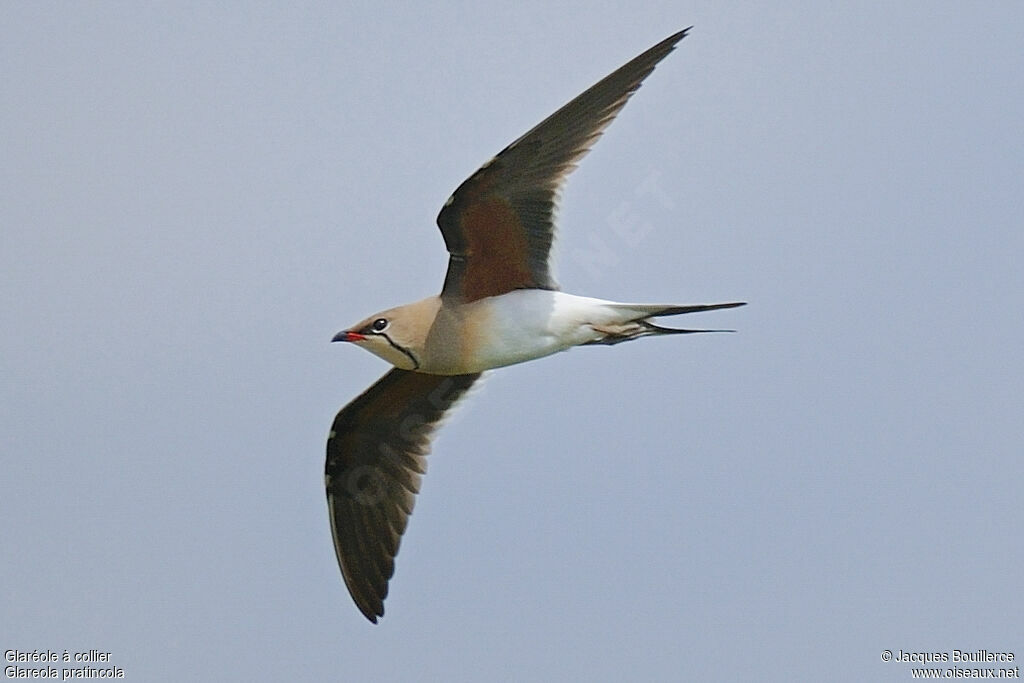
499	223
376	454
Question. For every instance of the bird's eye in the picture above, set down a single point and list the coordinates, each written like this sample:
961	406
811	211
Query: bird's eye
379	325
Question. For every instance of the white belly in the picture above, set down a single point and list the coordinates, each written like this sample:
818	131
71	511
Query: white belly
531	323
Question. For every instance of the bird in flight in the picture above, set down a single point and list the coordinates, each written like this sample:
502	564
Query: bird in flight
499	306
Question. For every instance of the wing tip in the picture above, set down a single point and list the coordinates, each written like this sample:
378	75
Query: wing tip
671	41
372	615
669	44
679	35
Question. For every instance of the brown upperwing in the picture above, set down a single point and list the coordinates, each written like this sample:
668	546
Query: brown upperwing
376	455
499	224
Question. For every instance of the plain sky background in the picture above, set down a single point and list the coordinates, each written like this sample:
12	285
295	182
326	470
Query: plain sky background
195	198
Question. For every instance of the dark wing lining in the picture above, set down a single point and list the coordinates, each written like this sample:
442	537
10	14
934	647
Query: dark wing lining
376	455
499	223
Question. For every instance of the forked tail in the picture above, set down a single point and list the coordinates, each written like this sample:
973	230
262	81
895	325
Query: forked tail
636	321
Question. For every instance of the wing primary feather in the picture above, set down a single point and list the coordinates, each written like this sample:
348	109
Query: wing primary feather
499	224
376	456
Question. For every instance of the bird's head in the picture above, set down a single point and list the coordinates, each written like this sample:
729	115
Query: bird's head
397	335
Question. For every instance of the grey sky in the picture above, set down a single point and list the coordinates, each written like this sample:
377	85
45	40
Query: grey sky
195	199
